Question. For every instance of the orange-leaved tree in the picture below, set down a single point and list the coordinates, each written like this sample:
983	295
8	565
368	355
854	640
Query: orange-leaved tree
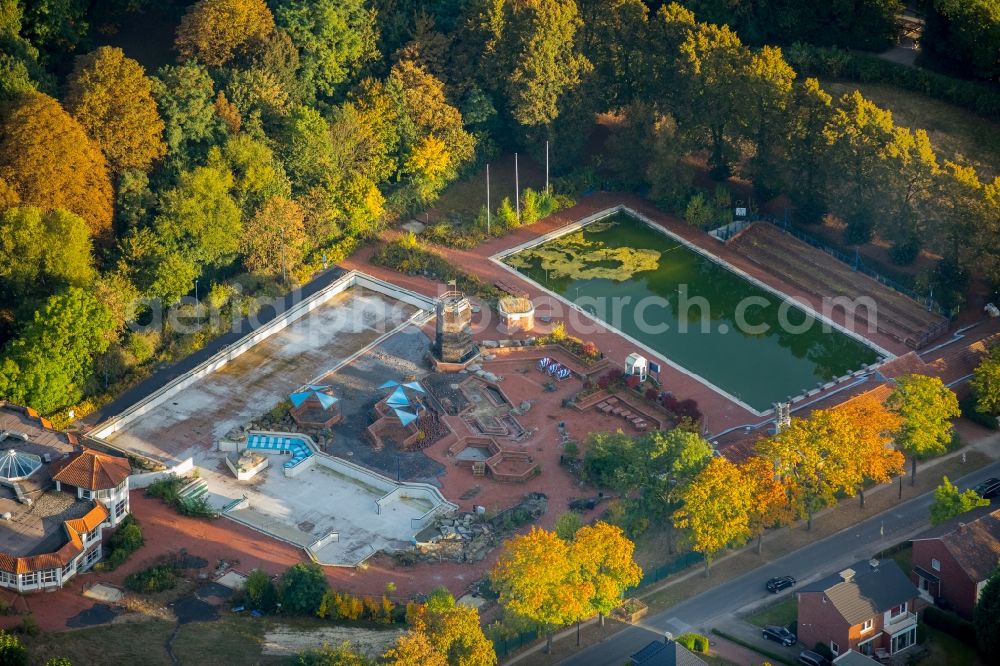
868	430
770	507
452	631
48	160
538	580
716	509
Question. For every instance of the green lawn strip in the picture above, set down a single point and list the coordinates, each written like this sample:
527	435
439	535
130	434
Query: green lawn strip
781	614
774	656
126	643
946	649
228	640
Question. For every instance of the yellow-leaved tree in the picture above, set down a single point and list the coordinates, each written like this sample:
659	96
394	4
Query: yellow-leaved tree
274	239
770	506
112	98
443	632
213	31
866	443
604	556
538	580
716	509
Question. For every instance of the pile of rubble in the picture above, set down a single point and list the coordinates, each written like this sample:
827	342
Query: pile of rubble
468	537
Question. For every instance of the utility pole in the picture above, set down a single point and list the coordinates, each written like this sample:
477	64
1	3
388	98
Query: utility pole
488	213
517	188
284	277
546	167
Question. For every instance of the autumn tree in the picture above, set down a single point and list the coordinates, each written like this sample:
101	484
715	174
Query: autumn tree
545	60
770	81
985	382
52	249
716	509
863	442
213	31
335	39
770	506
414	649
537	579
925	406
452	631
274	239
949	502
49	364
47	158
112	98
605	559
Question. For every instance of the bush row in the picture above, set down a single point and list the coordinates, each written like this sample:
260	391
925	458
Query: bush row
694	642
126	540
840	64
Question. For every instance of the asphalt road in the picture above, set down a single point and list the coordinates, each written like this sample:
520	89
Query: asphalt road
812	562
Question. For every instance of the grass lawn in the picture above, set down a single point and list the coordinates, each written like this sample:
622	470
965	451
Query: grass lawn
953	131
132	643
946	649
463	198
904	559
228	640
781	614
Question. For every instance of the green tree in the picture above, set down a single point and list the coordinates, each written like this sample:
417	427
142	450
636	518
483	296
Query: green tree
306	148
12	651
48	366
985	382
965	33
49	161
926	407
567	524
53	251
153	262
810	111
770	80
257	174
714	69
261	593
613	38
213	31
199	217
303	587
545	61
335	39
950	502
55	27
986	617
185	95
112	98
330	656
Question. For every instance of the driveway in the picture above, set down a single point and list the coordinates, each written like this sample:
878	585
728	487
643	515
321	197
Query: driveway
722	603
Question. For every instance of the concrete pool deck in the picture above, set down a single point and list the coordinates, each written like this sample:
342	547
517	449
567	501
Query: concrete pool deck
191	421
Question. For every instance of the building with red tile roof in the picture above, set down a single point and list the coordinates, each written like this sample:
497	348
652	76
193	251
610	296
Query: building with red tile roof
56	498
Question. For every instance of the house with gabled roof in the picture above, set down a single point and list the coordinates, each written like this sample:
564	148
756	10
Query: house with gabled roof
870	607
952	561
664	653
56	499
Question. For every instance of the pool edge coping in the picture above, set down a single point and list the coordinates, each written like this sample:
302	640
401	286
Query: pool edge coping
498	258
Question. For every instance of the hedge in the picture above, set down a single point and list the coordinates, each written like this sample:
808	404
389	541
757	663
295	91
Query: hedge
970	411
950	624
840	64
694	642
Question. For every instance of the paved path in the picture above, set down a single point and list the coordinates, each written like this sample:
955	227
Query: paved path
806	564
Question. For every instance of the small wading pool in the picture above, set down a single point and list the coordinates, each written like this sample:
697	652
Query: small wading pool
750	343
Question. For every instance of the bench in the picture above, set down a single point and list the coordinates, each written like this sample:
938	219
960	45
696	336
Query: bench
513	291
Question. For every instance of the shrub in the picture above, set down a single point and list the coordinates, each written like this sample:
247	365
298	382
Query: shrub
688	408
950	624
303	588
260	591
12	651
971	412
126	540
590	350
694	642
157	578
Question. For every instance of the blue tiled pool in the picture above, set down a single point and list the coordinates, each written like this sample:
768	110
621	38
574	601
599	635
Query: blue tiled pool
296	446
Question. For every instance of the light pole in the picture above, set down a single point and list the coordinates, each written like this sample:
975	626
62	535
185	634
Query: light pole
196	289
546	167
488	199
517	188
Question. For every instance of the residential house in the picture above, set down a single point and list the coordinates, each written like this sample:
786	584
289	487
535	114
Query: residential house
665	653
56	499
869	608
852	658
953	560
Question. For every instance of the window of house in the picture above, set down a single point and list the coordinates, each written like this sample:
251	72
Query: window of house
86	494
866	647
6	578
897	610
834	648
867	625
49	576
120	508
29	578
935	565
903	640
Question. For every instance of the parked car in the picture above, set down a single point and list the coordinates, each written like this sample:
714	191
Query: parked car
780	635
779	583
989	488
810	658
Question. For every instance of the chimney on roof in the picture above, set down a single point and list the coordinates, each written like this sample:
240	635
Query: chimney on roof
847	575
873	563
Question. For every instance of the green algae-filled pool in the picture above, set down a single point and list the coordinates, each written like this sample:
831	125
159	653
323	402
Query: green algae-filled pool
654	289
